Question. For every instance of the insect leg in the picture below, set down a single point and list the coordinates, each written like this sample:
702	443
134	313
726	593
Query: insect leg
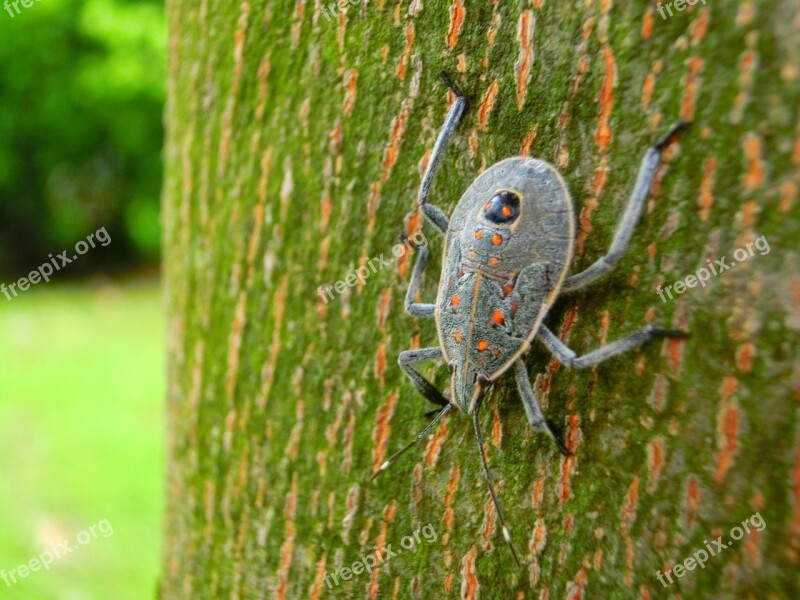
622	236
532	407
570	359
424	387
421	435
488	475
413	308
433	213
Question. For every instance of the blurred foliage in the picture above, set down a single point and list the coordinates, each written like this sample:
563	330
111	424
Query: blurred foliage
81	98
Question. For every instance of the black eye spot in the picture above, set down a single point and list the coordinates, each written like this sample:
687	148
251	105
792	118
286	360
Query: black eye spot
502	208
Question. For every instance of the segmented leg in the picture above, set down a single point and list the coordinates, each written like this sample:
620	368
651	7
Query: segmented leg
414	308
424	387
532	407
433	213
622	237
570	359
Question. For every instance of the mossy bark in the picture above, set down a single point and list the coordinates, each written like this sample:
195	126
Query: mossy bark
295	146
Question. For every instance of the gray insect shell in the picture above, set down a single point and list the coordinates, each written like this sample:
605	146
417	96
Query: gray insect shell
499	279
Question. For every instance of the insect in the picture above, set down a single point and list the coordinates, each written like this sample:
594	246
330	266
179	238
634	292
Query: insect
508	248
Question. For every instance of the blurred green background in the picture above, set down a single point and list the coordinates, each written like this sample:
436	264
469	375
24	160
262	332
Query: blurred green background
81	357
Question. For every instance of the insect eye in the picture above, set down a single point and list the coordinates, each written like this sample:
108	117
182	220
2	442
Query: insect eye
502	208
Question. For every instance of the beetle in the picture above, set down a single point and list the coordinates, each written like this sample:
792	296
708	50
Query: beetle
509	245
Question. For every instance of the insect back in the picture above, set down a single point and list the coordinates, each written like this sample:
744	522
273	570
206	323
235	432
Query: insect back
508	248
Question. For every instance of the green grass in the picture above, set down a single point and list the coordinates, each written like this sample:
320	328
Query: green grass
82	438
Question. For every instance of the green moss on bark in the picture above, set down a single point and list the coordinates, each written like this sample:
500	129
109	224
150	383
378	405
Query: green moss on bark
294	151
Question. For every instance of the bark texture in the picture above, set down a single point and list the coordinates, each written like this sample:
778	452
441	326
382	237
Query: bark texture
295	145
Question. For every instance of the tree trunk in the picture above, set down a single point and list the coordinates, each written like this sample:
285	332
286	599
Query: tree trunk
296	139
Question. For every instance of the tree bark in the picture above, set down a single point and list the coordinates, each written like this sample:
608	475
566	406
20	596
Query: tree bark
296	139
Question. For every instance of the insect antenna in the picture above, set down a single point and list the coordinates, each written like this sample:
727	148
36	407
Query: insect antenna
488	475
421	435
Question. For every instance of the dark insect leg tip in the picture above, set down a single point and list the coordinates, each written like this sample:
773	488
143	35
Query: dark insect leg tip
670	137
672	333
451	84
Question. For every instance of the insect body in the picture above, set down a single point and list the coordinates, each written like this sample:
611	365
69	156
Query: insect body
508	249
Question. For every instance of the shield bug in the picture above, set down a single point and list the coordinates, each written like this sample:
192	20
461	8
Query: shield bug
508	250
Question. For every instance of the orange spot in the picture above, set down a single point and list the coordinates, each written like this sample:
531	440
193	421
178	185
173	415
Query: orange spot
788	194
628	512
647	91
456	22
655	462
706	198
497	239
402	66
674	352
568	463
383	308
372	205
539	536
380	363
380	433
729	387
522	68
486	106
744	357
691	88
457	336
577	589
699	28
647	26
398	129
434	447
479	234
693	496
493	260
602	136
506	210
483	345
455	300
586	221
525	150
727	438
497	317
470	588
508	288
350	85
755	164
